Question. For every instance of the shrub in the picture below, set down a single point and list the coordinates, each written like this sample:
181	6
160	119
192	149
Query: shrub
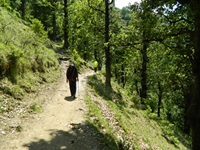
152	104
77	59
35	107
38	28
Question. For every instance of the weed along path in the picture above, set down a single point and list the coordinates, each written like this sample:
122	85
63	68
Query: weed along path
62	124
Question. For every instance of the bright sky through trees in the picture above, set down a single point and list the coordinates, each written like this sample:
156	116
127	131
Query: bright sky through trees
124	3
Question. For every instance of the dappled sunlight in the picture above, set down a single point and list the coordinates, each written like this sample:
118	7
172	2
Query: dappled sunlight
79	136
97	83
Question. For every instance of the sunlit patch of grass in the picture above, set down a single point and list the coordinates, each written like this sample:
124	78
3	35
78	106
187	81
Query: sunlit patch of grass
141	129
95	117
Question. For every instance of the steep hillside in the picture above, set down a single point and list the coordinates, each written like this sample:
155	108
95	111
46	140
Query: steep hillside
27	60
125	125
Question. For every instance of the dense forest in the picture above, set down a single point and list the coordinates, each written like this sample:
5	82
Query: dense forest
152	49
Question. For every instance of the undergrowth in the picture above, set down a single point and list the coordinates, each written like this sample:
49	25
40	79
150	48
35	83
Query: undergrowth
127	126
27	59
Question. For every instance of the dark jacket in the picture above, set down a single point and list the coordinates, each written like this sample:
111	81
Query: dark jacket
72	73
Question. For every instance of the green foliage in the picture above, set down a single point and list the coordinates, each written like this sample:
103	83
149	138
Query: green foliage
97	83
136	100
168	131
19	128
4	62
152	104
101	124
7	103
129	127
38	28
25	61
5	4
153	116
77	59
125	12
35	107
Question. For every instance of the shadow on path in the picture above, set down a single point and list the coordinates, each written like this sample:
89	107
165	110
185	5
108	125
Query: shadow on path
79	137
69	98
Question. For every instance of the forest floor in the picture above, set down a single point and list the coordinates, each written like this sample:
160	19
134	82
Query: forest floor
61	125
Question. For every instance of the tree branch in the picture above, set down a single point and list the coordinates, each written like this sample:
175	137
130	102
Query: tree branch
94	8
98	29
175	21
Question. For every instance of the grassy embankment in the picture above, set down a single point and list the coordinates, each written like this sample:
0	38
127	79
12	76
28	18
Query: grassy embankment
123	125
27	61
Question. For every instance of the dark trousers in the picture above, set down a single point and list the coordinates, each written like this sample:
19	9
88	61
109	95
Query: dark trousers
72	86
95	69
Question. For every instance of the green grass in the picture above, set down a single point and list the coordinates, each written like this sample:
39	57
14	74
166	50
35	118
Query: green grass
19	128
26	59
100	123
36	107
128	126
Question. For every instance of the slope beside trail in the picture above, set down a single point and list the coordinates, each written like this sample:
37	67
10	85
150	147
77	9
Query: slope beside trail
61	126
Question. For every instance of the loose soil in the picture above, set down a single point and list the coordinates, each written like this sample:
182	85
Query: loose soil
61	126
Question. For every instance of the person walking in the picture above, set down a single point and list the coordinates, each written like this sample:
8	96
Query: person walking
95	65
72	77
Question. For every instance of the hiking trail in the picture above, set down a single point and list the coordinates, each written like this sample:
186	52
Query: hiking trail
62	124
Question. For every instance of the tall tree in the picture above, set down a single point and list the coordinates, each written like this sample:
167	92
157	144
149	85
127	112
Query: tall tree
193	112
107	44
106	12
194	108
23	8
65	25
145	25
54	23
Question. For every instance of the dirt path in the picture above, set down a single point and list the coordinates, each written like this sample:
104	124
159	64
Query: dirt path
62	125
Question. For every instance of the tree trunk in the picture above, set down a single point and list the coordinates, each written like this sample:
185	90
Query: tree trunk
159	98
194	107
54	20
22	8
107	47
65	28
123	75
186	123
136	82
143	93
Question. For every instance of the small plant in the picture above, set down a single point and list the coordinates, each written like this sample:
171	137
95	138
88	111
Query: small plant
38	28
35	107
19	128
153	116
152	104
168	130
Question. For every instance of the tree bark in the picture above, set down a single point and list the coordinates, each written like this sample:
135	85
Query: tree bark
54	20
136	82
143	93
22	8
186	123
123	81
159	98
194	107
65	28
107	47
